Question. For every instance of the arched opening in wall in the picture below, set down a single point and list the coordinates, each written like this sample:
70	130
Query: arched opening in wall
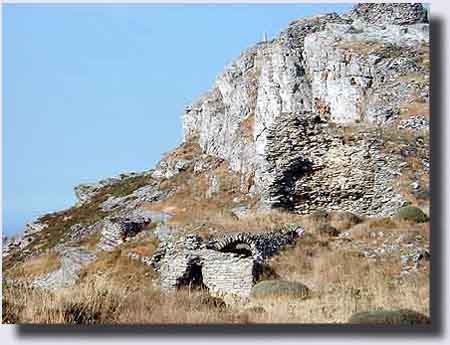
238	247
193	276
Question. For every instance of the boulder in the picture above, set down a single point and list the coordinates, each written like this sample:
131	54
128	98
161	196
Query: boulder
389	317
411	214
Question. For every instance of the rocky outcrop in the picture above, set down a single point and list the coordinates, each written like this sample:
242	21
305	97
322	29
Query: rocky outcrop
116	230
358	68
386	13
72	261
84	192
169	168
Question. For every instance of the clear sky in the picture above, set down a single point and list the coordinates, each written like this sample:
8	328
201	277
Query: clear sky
91	91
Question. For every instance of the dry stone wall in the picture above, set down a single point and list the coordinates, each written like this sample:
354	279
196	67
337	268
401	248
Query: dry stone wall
312	165
226	266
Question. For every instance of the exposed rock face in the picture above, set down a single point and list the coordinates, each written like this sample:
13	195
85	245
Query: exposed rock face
385	13
302	122
169	168
84	192
72	260
358	68
127	203
117	230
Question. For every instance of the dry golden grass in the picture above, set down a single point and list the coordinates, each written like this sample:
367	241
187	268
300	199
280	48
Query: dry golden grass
117	290
335	302
35	267
414	109
120	270
187	150
102	301
343	282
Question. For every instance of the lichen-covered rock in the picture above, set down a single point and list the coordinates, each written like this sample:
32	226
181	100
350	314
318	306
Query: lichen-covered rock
279	289
401	317
411	214
416	123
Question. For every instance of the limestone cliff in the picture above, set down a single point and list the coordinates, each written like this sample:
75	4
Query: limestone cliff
356	70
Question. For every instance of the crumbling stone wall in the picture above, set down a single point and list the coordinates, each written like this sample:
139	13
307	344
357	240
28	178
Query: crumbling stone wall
115	231
219	265
312	165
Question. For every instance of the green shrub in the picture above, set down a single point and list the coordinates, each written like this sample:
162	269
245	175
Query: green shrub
411	214
279	288
389	317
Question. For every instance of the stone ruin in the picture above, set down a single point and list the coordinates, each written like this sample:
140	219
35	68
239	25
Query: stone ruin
226	266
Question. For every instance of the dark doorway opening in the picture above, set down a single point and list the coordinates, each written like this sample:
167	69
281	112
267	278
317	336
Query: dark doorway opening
193	277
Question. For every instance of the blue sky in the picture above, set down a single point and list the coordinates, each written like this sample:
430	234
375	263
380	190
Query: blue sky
90	91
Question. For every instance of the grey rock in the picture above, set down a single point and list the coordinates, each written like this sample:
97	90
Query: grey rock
72	261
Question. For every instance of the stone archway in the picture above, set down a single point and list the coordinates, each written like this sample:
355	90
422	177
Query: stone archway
238	247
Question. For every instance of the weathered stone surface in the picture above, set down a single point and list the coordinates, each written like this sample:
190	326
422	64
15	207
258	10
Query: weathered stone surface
310	166
117	230
72	260
361	67
356	73
148	193
168	168
386	13
416	123
84	192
